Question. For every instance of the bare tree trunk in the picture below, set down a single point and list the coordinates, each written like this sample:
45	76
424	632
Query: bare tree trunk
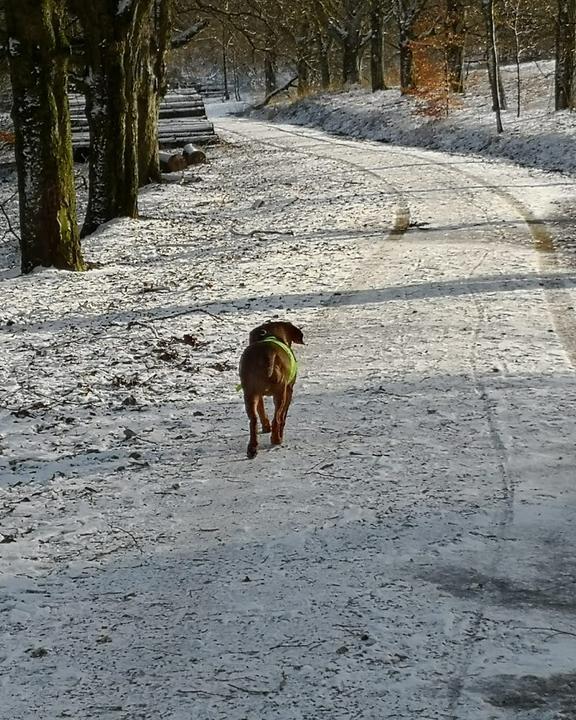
492	55
235	75
148	116
225	39
454	26
501	88
302	50
516	32
151	88
351	59
565	54
38	58
376	47
323	52
114	53
407	80
270	80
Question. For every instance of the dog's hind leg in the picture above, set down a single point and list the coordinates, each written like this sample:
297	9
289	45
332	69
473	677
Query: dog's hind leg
287	401
251	404
277	422
262	415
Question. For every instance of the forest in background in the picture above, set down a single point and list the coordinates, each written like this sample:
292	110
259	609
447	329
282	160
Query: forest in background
122	55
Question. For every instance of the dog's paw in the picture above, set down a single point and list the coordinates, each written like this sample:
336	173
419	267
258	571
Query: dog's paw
266	428
251	452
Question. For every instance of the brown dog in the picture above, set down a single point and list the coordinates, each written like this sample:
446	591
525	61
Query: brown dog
268	367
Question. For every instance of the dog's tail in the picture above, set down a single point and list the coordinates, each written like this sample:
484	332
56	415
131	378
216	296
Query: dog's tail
270	367
258	364
265	363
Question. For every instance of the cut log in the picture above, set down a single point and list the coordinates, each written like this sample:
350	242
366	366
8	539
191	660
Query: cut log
193	155
173	140
183	111
184	102
172	162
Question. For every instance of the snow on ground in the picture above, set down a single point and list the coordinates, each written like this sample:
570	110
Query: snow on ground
538	138
408	553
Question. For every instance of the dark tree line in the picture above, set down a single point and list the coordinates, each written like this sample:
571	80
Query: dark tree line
116	52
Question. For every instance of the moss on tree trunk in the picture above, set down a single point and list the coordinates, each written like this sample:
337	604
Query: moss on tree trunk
38	58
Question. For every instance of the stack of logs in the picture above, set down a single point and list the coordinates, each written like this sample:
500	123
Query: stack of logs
182	121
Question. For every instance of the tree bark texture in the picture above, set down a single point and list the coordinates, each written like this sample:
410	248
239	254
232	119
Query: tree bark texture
38	57
270	81
492	56
151	88
407	79
376	47
225	45
351	58
115	51
565	54
349	31
323	57
455	34
302	59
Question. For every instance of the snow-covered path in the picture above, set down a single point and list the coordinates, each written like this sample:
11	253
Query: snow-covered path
409	553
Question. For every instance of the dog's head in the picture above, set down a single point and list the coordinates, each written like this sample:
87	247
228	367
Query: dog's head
284	331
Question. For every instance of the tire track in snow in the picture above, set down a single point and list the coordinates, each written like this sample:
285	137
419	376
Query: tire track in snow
560	301
559	304
402	214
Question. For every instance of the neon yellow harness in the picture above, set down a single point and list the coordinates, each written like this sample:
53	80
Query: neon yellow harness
293	371
293	362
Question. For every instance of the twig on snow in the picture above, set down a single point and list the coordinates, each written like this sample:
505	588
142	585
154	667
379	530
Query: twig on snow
552	631
144	325
296	645
252	233
187	312
281	686
180	691
130	535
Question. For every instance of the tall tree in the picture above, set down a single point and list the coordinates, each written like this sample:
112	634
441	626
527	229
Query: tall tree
322	44
493	65
116	45
151	87
407	13
376	46
38	58
346	21
565	54
454	27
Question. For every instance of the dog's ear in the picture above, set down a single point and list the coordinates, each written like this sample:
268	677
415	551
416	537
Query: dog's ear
295	333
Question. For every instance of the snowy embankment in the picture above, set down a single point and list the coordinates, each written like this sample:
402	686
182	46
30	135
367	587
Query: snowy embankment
538	138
